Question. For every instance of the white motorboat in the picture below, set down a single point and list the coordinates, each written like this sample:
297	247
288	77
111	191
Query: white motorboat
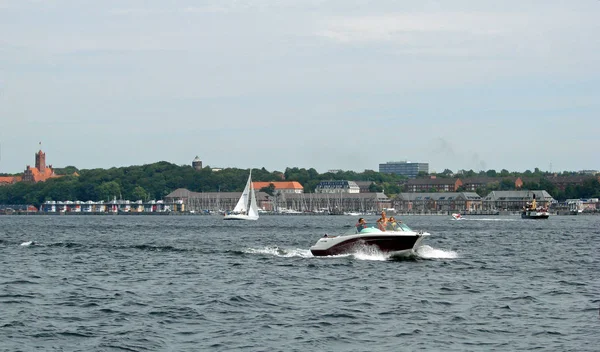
457	216
398	242
246	207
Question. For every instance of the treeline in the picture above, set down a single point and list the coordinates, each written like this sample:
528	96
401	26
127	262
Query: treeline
155	181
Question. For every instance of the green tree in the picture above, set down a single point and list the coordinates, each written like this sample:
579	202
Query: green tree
139	193
270	189
108	190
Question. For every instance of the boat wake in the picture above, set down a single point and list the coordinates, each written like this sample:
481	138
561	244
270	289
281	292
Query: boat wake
427	252
487	219
281	252
363	253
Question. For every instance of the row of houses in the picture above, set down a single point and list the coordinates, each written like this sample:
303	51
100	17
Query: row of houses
114	206
468	202
430	184
185	201
475	183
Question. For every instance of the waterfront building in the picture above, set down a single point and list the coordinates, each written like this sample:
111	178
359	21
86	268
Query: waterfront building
433	183
281	186
404	168
516	200
457	202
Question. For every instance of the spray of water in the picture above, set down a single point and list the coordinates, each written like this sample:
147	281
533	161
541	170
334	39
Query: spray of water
280	252
427	252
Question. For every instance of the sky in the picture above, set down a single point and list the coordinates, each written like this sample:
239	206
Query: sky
462	84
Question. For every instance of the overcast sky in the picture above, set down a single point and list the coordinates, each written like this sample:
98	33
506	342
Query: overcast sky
462	84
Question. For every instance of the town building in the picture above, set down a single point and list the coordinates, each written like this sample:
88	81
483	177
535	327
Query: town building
404	168
9	180
364	186
516	200
433	183
41	172
281	186
337	186
474	183
458	202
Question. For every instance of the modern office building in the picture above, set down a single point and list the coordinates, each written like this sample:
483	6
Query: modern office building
404	168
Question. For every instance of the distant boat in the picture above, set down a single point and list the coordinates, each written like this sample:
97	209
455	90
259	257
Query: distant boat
534	212
457	216
246	207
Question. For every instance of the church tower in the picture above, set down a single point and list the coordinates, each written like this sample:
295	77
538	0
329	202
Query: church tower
40	161
197	163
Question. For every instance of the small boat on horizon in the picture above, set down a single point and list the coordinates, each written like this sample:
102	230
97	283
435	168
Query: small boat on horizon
457	216
532	211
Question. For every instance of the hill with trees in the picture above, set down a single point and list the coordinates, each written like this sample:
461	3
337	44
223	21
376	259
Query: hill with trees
155	181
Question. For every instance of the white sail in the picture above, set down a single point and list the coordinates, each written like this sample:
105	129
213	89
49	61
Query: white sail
243	210
242	204
253	211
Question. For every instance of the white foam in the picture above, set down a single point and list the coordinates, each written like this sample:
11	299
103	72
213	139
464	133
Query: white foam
427	252
28	243
370	253
281	252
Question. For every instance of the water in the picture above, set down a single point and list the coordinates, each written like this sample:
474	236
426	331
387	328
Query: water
194	283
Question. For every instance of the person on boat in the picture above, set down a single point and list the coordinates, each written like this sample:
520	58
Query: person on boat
392	225
382	222
361	224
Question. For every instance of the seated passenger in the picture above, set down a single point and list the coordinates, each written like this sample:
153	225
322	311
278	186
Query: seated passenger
391	224
361	224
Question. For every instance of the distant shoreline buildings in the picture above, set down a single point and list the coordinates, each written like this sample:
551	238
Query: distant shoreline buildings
40	173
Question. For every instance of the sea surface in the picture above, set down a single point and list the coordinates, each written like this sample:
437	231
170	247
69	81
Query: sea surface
198	283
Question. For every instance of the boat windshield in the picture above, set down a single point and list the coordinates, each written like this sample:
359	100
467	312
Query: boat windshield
373	228
403	227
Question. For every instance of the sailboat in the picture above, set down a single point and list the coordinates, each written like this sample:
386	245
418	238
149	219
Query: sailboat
246	207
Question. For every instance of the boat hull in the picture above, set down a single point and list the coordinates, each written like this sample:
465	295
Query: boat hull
535	215
386	242
239	217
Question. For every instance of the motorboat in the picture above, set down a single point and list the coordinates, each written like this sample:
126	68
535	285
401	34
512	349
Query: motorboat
538	213
457	216
402	240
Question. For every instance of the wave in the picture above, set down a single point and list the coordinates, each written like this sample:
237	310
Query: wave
488	219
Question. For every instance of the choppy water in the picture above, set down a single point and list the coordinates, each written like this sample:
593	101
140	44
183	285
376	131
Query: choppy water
194	283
